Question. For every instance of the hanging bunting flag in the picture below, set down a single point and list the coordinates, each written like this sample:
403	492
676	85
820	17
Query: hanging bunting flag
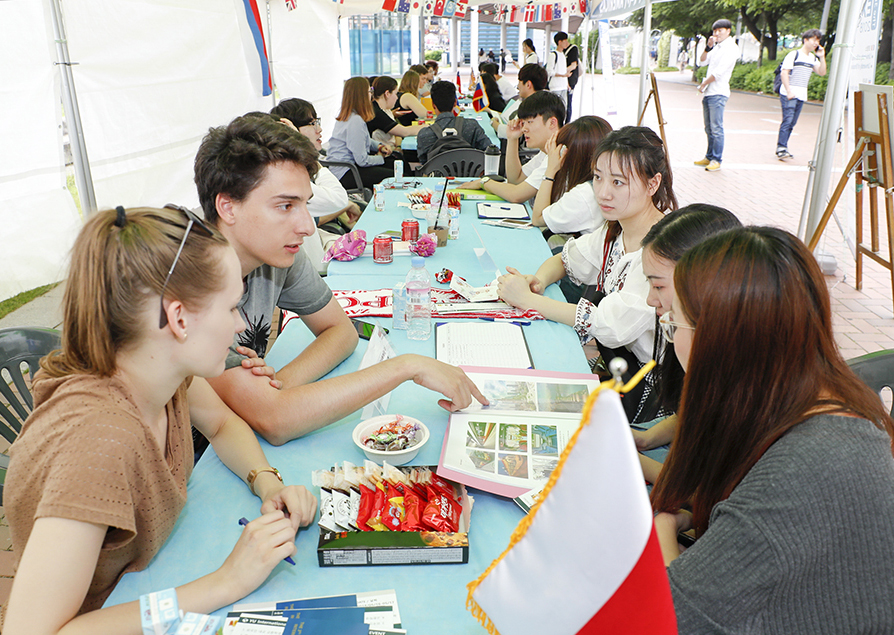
253	19
618	584
450	8
479	98
515	13
389	5
461	6
439	8
291	5
530	13
416	7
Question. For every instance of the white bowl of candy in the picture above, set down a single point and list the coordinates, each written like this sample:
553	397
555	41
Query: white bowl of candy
393	438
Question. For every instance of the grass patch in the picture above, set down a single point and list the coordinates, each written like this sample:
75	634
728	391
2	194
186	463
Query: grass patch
20	300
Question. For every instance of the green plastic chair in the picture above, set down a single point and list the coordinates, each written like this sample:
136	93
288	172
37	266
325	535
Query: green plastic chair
19	346
876	370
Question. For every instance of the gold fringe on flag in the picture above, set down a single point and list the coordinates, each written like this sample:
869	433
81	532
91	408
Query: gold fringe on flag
523	525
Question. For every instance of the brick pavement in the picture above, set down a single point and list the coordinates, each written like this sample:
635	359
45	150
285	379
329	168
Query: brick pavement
757	187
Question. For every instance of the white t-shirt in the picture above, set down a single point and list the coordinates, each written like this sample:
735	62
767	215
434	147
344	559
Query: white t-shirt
575	211
508	90
800	66
329	194
535	169
531	58
555	65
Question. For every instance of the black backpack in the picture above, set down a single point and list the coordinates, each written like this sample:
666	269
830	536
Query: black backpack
777	77
447	142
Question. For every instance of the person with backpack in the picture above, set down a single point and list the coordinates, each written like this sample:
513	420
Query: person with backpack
792	76
448	132
572	63
557	69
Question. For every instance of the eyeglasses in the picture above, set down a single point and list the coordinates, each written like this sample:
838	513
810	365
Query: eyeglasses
193	221
316	123
669	327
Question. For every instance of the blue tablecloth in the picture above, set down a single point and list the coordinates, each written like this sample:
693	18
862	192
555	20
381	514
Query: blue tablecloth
431	597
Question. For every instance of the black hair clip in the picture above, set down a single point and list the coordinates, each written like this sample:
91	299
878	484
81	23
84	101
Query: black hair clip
121	218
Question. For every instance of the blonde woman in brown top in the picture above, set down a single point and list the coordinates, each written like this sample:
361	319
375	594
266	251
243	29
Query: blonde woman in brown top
98	475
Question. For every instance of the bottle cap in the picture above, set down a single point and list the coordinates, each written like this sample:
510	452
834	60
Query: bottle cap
417	261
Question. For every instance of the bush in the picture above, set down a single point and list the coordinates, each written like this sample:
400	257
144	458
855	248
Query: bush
628	54
433	55
627	70
664	49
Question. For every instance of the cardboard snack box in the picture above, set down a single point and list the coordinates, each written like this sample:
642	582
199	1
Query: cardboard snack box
368	548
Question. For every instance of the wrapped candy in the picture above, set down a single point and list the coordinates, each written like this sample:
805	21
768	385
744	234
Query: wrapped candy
347	247
444	276
425	245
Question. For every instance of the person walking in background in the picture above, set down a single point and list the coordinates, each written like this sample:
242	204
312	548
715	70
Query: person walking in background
557	69
795	74
721	54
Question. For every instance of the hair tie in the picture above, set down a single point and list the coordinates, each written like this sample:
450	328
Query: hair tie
121	218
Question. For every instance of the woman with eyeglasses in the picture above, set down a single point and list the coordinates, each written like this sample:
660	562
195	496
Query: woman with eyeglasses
335	214
663	246
781	453
98	475
632	184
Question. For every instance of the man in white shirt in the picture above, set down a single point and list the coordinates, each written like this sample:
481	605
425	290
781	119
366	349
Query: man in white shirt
557	70
721	54
531	78
540	116
796	69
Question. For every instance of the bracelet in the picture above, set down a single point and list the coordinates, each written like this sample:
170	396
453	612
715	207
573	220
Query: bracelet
254	474
549	178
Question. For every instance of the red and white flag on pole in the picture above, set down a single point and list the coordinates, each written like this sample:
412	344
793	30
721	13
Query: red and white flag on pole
586	559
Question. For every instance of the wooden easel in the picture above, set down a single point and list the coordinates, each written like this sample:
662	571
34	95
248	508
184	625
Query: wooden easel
866	168
661	121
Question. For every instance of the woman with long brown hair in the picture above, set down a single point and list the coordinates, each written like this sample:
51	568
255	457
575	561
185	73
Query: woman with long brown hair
781	452
98	475
351	142
565	202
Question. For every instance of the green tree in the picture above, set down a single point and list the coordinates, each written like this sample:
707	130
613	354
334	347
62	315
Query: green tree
763	18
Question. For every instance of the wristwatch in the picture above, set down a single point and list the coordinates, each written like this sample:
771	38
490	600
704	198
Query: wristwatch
484	179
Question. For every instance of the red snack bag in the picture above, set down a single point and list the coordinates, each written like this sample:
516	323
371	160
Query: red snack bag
441	512
413	508
367	498
393	513
444	486
378	508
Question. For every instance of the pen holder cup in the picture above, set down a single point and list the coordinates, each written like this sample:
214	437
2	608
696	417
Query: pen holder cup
441	233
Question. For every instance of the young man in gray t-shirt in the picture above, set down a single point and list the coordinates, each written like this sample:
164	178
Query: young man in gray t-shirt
253	178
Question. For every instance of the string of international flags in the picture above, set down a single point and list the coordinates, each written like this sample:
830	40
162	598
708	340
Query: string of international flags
529	12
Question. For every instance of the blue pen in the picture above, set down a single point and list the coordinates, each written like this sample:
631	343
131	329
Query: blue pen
244	522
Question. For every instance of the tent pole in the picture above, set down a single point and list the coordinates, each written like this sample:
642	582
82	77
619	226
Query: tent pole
644	62
83	177
833	107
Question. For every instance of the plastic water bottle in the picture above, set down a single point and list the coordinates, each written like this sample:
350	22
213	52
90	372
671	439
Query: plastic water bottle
418	301
399	307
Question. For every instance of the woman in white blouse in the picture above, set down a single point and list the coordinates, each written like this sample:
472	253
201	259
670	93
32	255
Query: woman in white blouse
633	188
530	55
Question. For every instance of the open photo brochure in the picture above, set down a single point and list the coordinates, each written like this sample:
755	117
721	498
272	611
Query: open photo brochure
512	445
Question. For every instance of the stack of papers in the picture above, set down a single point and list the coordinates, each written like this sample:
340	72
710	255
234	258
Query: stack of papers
371	613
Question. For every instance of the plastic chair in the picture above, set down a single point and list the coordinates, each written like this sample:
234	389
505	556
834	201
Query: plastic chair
19	346
461	162
358	188
876	370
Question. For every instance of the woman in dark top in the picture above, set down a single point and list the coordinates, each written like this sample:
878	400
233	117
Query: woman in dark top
495	100
409	108
384	98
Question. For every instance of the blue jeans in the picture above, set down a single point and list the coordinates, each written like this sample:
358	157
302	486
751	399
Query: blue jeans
791	110
712	107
